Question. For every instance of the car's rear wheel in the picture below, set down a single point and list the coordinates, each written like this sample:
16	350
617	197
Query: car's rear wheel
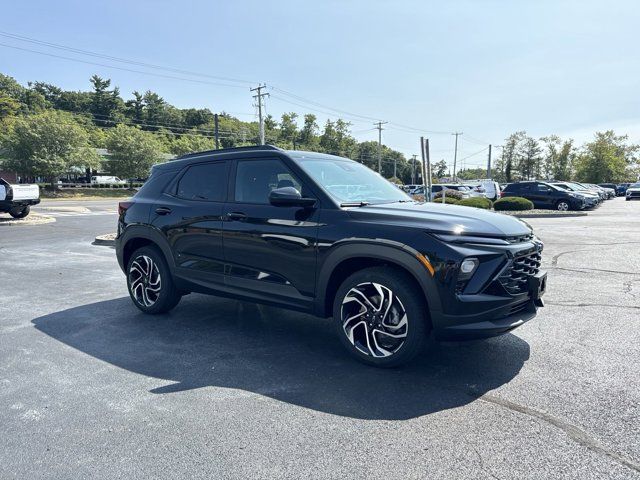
150	283
20	212
381	316
563	205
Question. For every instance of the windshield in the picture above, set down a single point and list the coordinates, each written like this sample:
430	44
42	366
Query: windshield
351	182
579	186
634	185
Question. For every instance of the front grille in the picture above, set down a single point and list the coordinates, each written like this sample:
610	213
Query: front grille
633	194
515	276
520	239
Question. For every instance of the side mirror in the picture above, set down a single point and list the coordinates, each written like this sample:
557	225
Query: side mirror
289	197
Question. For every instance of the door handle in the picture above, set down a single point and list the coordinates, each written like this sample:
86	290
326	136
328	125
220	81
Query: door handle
163	210
236	216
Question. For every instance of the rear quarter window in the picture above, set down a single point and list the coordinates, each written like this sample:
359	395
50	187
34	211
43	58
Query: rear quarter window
204	181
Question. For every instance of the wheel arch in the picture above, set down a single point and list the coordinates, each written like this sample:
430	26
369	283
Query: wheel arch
349	258
137	236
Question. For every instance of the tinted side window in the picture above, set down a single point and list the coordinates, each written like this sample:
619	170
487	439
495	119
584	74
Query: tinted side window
541	187
513	187
205	181
256	178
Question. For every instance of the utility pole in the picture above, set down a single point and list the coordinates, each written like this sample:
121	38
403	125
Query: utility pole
424	168
489	164
455	155
259	96
215	130
428	157
378	125
413	170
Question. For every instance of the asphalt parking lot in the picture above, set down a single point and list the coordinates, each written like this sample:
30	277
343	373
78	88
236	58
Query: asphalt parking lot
90	387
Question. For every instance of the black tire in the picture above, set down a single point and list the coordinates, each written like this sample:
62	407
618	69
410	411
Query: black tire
560	205
158	294
20	212
407	296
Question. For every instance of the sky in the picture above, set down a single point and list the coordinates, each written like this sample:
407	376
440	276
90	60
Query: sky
483	68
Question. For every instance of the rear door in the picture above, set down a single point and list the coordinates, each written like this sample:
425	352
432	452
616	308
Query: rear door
544	195
190	216
270	251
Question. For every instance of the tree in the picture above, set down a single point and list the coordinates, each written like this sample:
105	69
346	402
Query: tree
557	158
509	157
190	143
133	151
105	103
289	129
135	107
308	137
605	159
47	145
529	158
439	169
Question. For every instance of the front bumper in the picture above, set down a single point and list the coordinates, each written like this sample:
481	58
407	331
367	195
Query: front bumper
489	324
504	293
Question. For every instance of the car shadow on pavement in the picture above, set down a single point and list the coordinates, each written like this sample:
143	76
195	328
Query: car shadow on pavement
288	356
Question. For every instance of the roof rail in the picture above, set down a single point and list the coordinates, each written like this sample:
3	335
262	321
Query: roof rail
228	150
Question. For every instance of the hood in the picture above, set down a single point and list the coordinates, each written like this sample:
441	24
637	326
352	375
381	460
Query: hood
439	218
633	189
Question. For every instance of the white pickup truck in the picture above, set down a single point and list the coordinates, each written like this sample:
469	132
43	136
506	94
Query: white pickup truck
16	200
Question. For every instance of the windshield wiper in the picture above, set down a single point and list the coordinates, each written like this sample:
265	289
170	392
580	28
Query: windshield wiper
355	204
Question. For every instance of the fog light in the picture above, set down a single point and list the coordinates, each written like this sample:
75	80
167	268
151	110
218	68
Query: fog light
468	266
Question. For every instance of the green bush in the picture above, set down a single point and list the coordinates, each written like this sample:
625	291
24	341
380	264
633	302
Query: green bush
448	200
449	194
477	202
512	204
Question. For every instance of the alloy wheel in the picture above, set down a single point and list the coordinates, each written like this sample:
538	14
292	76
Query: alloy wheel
144	280
563	206
374	319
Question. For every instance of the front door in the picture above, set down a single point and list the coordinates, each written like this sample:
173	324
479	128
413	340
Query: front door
270	251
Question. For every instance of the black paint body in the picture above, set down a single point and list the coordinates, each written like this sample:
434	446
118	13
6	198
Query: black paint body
296	257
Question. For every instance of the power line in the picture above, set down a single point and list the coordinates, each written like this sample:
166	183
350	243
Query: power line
117	59
120	68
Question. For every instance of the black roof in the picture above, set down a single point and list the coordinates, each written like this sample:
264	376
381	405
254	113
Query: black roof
250	148
182	160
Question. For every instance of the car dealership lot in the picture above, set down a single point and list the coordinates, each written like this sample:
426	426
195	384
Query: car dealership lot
89	386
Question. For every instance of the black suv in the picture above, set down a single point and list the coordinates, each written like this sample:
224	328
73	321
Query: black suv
545	195
326	235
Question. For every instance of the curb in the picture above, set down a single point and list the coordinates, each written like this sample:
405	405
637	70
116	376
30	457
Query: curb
549	215
32	219
107	240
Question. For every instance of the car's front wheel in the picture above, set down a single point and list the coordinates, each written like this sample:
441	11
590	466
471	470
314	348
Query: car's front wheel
150	283
20	212
563	205
381	316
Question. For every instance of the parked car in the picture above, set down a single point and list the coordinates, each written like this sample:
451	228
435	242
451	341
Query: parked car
591	199
598	191
16	200
622	189
610	186
106	179
545	195
633	191
608	192
268	225
463	189
488	188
